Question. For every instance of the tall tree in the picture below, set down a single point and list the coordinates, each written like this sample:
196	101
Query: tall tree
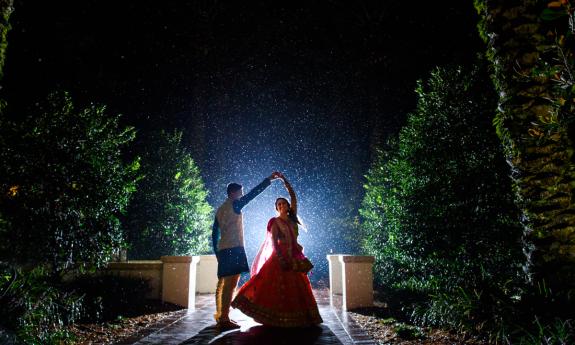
169	214
438	212
5	12
63	186
531	47
6	8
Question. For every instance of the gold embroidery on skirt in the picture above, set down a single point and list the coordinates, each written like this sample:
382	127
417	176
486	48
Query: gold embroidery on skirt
271	317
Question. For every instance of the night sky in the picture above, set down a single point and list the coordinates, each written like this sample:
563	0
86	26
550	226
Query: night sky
308	88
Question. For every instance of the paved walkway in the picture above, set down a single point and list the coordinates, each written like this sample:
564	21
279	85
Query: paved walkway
197	327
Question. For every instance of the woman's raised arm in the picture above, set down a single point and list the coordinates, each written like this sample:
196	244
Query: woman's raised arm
292	196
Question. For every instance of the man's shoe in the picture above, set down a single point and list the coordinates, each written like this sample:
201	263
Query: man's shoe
227	325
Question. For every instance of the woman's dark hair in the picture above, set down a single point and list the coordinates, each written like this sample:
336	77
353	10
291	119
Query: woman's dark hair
292	216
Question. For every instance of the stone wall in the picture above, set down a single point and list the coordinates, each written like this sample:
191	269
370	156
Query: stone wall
177	279
173	279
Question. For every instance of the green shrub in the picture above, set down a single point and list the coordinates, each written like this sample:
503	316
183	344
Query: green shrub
35	310
438	213
552	332
408	332
108	296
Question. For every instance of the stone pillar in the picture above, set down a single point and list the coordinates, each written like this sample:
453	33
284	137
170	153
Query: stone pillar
184	276
357	281
207	274
335	281
179	280
352	277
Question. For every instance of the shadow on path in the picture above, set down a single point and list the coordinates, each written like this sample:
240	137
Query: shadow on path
263	335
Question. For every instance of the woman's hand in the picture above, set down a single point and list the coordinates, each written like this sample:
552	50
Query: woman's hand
277	174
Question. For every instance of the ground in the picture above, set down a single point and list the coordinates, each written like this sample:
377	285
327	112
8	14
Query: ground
386	330
375	321
140	318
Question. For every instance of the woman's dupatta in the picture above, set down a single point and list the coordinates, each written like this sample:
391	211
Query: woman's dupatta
265	252
267	248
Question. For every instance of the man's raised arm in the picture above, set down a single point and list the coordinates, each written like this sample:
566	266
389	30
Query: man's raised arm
244	200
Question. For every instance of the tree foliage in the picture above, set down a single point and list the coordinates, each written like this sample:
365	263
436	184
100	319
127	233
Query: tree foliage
63	185
169	214
438	213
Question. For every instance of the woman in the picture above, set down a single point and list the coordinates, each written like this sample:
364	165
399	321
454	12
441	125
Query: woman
279	292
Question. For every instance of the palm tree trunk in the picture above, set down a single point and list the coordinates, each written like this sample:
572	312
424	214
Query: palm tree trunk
6	8
532	56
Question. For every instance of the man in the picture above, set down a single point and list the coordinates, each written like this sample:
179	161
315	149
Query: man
228	244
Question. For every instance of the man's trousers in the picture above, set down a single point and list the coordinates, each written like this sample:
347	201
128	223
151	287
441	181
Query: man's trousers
224	294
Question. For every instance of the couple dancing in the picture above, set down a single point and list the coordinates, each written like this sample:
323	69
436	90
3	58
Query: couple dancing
278	293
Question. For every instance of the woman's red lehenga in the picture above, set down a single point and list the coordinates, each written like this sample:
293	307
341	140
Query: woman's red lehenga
274	296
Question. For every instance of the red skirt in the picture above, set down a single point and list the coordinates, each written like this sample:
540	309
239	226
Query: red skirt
279	298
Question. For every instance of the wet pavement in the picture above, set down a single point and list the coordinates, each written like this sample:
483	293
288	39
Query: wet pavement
191	327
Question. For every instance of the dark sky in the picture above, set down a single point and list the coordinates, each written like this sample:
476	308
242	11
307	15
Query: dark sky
305	87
